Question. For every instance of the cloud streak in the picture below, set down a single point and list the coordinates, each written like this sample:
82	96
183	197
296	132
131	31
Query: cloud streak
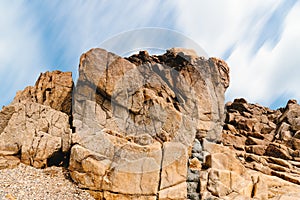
269	75
20	57
255	38
259	40
51	35
273	27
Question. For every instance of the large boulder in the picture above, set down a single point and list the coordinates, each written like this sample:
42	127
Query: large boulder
37	134
35	127
264	144
52	89
232	174
136	120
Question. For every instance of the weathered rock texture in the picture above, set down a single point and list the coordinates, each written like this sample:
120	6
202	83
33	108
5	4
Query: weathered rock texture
52	89
32	128
259	158
34	132
154	127
136	120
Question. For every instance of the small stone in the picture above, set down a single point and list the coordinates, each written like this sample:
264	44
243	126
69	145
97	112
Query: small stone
195	164
197	148
10	197
199	156
297	135
193	175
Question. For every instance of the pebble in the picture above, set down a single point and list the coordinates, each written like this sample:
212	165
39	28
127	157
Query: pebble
28	183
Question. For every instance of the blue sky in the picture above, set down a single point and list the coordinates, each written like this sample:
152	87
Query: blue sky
260	41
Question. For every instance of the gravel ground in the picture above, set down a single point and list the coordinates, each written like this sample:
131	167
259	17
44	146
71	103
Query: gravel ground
27	183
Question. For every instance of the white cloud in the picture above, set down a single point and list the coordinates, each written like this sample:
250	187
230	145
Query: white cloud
20	50
154	40
269	74
56	33
225	27
88	24
217	24
38	36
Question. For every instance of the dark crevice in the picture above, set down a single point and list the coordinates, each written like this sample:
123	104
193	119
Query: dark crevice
160	171
59	159
253	190
45	94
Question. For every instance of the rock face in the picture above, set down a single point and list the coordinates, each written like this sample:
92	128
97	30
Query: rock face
34	132
136	120
52	89
259	157
31	130
154	127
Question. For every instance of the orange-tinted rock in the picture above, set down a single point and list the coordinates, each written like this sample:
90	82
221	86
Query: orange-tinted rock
139	117
270	146
52	89
40	135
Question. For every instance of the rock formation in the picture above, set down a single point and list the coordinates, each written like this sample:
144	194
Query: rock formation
265	143
154	127
52	89
35	127
137	118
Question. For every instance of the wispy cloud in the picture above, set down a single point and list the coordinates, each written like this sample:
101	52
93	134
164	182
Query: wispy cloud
218	25
20	58
47	35
273	26
269	77
154	40
72	27
253	37
259	39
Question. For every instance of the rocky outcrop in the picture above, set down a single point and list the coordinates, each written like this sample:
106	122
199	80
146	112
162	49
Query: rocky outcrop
272	135
35	128
225	175
136	120
36	134
258	157
52	89
154	127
